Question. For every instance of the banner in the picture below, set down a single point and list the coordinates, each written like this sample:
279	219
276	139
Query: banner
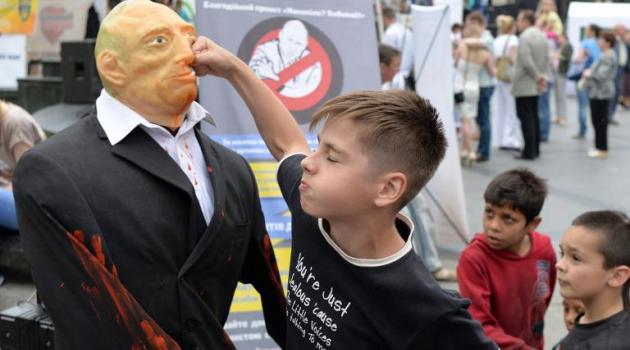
307	53
434	81
456	9
17	16
12	60
57	21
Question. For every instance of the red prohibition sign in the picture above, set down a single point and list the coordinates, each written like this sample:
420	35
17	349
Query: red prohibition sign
317	54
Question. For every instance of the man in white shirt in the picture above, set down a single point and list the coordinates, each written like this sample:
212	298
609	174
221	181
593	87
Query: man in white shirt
399	37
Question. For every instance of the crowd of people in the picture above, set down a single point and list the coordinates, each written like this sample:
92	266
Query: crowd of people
505	84
528	69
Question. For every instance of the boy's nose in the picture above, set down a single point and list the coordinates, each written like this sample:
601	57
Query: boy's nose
494	224
307	164
560	264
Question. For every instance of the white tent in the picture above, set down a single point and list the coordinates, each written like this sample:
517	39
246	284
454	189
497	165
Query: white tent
605	15
434	72
456	9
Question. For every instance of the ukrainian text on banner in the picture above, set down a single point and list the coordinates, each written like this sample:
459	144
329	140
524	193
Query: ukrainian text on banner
17	16
307	53
12	60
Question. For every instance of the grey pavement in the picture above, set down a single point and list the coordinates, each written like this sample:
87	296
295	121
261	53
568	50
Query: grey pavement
576	184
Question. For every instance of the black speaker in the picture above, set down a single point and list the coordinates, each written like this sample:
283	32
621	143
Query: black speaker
35	93
81	83
26	327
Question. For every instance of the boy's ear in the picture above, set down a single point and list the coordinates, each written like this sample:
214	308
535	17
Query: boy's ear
392	187
620	275
533	225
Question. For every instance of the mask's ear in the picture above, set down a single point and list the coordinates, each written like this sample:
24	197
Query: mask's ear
108	65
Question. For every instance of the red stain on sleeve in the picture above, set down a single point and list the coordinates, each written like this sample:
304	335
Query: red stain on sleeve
97	247
107	292
209	169
154	337
273	269
78	234
228	341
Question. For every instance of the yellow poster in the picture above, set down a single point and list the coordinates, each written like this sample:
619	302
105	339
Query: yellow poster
17	16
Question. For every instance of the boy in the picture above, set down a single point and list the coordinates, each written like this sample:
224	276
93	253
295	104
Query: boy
595	268
354	282
572	309
508	272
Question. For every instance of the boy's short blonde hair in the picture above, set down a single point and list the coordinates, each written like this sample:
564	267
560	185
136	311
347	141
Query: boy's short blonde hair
399	131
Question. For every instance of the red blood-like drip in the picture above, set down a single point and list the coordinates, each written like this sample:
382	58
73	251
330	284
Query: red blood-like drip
109	292
228	341
273	267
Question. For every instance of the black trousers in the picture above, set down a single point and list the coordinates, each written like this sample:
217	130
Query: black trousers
527	112
599	118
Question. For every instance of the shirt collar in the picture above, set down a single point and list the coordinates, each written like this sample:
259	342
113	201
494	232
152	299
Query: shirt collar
118	120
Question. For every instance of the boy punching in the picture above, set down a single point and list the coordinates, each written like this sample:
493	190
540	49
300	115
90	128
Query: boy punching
354	281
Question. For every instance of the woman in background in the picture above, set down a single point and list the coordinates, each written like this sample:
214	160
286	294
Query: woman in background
507	130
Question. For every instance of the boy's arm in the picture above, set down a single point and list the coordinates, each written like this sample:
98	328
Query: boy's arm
474	284
276	125
261	270
453	331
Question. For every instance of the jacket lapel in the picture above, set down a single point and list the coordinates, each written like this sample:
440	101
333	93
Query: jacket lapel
141	150
217	178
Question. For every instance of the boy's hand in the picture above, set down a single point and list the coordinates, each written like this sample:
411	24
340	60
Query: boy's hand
212	59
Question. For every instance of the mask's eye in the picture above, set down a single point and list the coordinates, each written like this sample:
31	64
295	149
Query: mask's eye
158	40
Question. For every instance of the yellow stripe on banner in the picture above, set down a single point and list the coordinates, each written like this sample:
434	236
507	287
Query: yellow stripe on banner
246	298
265	173
17	16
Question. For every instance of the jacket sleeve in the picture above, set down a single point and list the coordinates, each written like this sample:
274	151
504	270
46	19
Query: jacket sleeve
474	284
71	265
261	270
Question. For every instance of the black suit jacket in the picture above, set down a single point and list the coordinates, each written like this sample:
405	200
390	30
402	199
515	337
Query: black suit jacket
120	252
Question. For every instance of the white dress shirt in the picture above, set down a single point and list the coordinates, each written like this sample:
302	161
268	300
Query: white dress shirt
118	121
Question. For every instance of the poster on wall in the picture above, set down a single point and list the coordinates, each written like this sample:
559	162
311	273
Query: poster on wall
57	21
307	53
17	16
12	60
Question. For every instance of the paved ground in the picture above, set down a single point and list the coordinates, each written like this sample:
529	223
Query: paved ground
576	183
